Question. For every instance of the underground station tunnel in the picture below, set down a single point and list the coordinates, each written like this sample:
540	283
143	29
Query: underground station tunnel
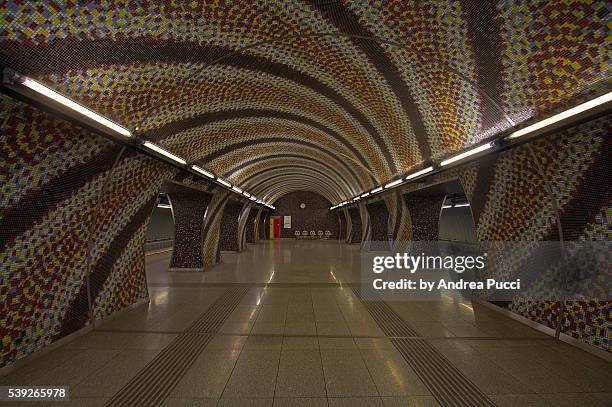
305	203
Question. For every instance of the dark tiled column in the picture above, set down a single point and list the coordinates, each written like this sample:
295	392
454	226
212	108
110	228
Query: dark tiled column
425	215
229	227
379	220
251	225
188	209
212	227
245	213
356	230
343	225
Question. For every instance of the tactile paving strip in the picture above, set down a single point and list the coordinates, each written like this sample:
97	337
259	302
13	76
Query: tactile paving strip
155	382
445	382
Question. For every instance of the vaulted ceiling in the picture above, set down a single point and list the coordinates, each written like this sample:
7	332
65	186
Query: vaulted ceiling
335	97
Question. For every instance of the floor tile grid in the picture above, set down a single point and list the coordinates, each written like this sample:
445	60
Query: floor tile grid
281	355
157	380
446	383
365	401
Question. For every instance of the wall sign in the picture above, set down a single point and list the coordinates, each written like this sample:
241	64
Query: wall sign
287	222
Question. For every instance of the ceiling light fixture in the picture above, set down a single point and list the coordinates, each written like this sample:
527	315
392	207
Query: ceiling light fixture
164	206
223	182
166	153
466	154
236	189
50	93
419	173
245	193
366	194
375	190
591	104
203	171
394	183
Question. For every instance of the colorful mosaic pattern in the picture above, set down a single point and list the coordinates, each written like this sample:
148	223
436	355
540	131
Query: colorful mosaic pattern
229	238
278	96
211	251
377	87
72	204
520	194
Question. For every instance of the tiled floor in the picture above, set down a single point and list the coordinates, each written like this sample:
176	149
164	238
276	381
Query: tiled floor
301	337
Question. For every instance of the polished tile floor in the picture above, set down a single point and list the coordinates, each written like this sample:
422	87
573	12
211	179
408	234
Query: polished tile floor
292	332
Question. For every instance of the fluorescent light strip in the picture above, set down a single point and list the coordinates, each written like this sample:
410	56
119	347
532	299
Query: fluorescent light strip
236	189
394	183
164	206
245	193
366	194
252	198
203	171
419	173
375	190
467	154
446	206
462	205
163	152
42	89
563	115
223	182
356	198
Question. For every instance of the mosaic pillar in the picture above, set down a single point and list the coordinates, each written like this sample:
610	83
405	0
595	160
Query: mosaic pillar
251	225
212	226
188	208
245	214
379	221
343	225
355	230
425	215
229	239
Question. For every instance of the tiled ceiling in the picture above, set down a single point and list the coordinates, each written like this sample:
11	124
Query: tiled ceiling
330	96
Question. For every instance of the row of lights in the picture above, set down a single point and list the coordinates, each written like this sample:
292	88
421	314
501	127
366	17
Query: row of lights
76	107
207	174
10	77
480	149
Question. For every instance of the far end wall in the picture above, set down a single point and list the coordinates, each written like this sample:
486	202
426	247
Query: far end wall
315	216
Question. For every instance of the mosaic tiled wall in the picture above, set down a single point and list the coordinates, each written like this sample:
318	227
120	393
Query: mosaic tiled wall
315	216
250	228
212	229
514	197
259	225
379	221
400	223
366	230
189	207
229	239
355	231
69	199
424	214
337	97
349	224
342	225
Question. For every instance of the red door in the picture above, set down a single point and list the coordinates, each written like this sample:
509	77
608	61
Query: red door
276	228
